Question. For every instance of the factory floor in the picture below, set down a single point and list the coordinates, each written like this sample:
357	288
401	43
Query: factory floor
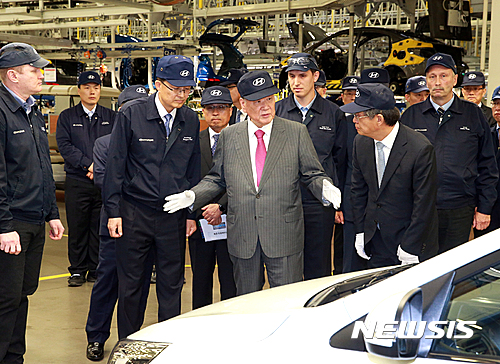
58	313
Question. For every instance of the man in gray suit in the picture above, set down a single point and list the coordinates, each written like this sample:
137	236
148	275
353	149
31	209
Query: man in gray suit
260	163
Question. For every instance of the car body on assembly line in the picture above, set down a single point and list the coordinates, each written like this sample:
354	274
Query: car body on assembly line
315	321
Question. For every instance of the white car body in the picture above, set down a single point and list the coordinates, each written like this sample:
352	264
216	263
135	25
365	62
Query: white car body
274	326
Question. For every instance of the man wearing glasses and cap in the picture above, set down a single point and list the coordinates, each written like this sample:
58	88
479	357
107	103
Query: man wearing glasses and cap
327	128
474	90
77	130
467	170
393	183
154	152
233	76
27	193
261	163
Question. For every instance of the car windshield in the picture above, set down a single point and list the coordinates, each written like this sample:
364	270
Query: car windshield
352	285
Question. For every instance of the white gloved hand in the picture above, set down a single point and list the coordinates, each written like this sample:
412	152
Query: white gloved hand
406	258
332	194
179	201
359	244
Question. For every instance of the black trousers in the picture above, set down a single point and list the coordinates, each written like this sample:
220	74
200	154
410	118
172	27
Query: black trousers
382	254
338	249
83	206
146	229
18	279
454	227
352	261
204	255
318	231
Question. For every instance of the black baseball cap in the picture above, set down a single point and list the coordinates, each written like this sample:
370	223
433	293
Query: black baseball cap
474	78
19	54
321	79
301	62
233	76
216	95
375	75
177	70
131	93
256	85
350	82
441	59
89	77
371	96
416	84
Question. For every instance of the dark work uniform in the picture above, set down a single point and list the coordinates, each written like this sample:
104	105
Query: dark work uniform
144	166
27	201
466	166
75	136
326	125
488	115
105	290
205	254
495	211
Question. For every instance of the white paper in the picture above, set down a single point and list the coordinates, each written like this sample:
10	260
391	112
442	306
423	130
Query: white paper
217	232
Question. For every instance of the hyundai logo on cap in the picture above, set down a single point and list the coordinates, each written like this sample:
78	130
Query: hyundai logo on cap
416	84
472	76
441	59
421	83
177	70
437	58
216	95
216	92
259	81
373	75
140	90
184	73
91	77
353	80
357	93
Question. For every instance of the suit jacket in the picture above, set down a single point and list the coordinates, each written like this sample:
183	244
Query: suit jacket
206	166
273	213
488	115
404	207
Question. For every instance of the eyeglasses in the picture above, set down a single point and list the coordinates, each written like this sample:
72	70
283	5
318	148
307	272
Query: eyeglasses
214	107
300	61
360	116
178	90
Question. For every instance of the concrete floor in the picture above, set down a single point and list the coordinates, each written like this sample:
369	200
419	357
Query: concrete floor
58	313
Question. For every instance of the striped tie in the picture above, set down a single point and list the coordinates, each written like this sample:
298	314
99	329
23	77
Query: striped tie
168	117
216	139
380	162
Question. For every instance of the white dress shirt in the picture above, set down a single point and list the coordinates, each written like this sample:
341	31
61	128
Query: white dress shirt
163	112
89	112
388	142
252	128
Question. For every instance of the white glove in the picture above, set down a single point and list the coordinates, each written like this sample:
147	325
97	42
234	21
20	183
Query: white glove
179	201
332	194
359	244
406	258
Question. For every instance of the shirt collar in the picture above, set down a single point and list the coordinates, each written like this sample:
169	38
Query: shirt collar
388	141
308	106
89	112
162	111
252	128
445	107
25	104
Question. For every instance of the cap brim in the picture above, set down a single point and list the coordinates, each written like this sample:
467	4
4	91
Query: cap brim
182	83
261	94
42	62
441	64
350	88
298	67
353	108
472	83
420	89
495	97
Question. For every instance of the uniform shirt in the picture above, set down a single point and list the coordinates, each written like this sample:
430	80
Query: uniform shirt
466	166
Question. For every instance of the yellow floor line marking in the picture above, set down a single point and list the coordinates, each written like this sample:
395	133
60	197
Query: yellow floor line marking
65	235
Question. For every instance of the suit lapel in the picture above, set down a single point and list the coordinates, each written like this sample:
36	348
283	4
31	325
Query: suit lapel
277	142
398	151
206	150
242	146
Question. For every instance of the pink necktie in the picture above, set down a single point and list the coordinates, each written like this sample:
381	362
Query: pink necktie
260	154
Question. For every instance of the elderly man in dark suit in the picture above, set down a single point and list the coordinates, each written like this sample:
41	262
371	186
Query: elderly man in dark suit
393	183
260	163
216	102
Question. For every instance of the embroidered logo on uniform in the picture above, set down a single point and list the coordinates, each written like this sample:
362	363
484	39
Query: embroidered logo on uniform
187	139
465	128
420	129
373	75
43	128
105	123
324	127
216	92
18	131
77	124
146	140
259	81
184	73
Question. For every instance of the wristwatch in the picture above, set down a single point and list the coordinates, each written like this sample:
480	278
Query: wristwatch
221	208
